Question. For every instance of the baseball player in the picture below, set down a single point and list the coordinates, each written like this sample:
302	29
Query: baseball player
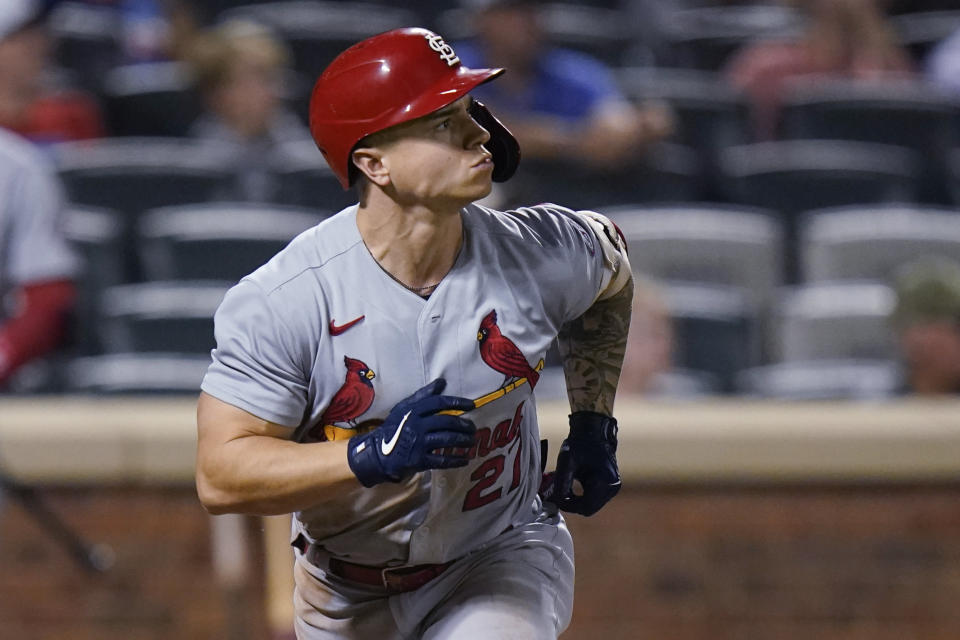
377	376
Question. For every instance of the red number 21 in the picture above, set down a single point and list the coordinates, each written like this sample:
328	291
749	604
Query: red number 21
486	475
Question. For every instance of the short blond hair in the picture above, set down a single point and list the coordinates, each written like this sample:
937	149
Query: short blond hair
214	51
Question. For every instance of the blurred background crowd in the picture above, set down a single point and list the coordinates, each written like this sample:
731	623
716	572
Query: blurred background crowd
787	175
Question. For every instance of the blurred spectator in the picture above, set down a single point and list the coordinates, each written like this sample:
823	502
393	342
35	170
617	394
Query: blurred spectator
239	68
558	103
183	20
61	114
943	64
927	320
650	342
846	38
150	30
145	30
36	265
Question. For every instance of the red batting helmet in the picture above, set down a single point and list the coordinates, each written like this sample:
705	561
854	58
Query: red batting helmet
380	82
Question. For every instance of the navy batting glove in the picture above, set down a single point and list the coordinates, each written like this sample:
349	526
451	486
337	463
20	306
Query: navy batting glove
411	437
588	455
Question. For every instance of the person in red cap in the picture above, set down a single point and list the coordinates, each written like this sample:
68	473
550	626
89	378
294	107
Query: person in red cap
376	377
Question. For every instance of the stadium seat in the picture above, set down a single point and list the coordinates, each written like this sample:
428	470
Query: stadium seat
907	114
902	7
835	379
604	33
675	384
798	175
870	242
923	27
160	317
318	31
156	99
208	11
306	179
426	10
97	236
216	241
137	373
830	320
710	114
682	385
86	41
953	178
705	243
665	173
705	37
714	330
295	88
132	175
40	376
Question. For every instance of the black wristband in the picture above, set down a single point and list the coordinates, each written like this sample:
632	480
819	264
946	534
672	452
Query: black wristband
593	425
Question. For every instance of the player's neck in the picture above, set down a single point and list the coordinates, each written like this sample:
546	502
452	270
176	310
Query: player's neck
415	245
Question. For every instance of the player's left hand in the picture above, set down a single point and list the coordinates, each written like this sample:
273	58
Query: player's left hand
415	436
588	455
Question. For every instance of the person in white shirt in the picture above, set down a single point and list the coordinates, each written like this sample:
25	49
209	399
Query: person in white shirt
36	264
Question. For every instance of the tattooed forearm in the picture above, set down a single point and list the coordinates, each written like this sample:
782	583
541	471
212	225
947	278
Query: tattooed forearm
592	348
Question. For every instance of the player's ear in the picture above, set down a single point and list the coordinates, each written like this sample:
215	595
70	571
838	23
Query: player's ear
369	161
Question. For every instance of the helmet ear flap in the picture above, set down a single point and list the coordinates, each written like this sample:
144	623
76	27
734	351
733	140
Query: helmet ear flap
502	145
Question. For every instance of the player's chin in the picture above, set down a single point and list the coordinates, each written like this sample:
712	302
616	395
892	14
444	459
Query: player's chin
478	185
482	191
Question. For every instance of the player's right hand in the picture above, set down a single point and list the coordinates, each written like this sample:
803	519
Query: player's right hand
588	455
412	437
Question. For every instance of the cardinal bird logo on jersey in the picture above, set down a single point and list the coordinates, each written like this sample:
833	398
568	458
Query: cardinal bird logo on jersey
349	402
500	354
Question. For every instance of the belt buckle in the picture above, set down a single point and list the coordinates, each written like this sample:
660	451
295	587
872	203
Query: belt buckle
402	579
394	584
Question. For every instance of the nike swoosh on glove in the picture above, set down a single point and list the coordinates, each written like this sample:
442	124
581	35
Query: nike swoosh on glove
411	437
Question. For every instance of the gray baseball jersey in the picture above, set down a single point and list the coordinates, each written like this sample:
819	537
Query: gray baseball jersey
32	248
324	341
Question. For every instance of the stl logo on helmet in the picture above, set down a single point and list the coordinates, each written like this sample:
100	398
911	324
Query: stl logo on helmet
446	51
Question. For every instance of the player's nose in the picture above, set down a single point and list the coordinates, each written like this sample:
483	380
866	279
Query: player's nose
476	135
